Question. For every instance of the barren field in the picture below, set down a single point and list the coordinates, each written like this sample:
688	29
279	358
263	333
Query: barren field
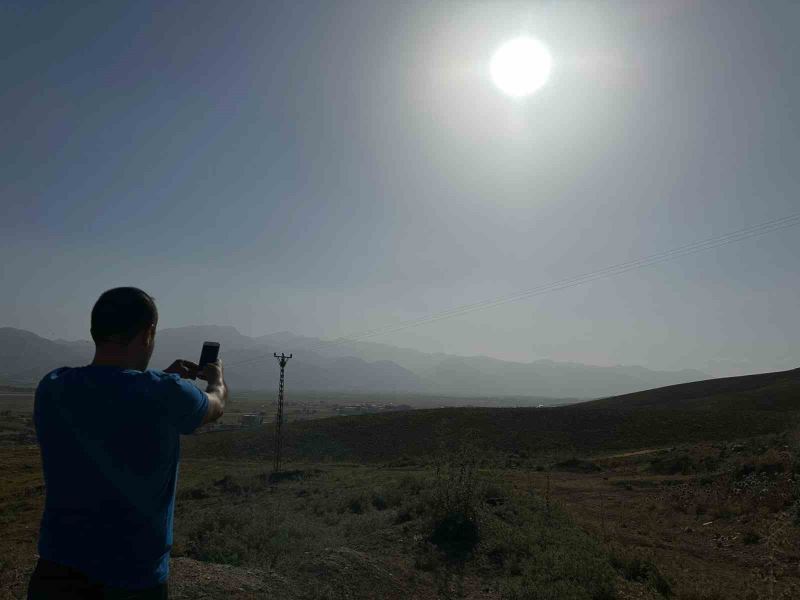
679	522
694	499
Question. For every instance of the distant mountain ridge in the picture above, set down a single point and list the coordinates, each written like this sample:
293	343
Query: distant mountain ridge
339	365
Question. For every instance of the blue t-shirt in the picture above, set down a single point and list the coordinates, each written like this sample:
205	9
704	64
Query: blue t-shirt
109	439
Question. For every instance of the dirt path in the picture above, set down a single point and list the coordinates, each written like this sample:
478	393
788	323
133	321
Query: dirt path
634	453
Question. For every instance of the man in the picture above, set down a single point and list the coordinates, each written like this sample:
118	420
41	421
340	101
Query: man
109	440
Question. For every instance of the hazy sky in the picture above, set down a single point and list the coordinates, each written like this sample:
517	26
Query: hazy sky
329	167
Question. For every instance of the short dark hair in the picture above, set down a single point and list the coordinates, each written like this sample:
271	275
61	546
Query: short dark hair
121	313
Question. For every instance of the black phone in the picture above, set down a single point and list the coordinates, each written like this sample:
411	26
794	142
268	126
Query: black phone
209	354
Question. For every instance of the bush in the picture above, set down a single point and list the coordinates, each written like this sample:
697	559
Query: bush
381	499
671	466
455	527
234	536
355	505
560	562
642	570
541	554
456	535
411	484
403	516
278	476
750	538
576	465
493	492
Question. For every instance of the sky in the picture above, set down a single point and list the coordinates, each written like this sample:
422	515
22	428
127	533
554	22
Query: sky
326	168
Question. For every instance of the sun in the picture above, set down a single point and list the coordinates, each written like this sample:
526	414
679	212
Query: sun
520	66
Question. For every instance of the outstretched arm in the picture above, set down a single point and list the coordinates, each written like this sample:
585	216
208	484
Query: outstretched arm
216	390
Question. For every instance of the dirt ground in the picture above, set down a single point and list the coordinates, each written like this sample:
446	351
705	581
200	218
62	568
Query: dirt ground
709	535
714	518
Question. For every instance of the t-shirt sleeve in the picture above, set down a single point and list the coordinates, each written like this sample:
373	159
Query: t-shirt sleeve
185	404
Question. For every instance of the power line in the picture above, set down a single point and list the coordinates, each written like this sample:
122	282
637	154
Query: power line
611	271
693	248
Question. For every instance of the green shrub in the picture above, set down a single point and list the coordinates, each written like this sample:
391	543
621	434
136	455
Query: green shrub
234	536
671	466
562	564
642	570
456	535
750	538
576	465
379	502
411	485
541	554
493	492
382	499
455	528
355	505
403	516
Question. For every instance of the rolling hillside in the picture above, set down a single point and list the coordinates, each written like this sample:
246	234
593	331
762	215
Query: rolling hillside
764	391
707	410
25	357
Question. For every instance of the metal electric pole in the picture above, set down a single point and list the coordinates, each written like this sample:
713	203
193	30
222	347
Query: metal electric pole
282	360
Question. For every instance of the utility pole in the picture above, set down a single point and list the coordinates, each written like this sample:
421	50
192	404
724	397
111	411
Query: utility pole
282	360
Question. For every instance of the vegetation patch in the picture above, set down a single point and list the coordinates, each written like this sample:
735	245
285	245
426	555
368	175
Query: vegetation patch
576	465
630	484
296	475
750	537
642	570
542	554
671	465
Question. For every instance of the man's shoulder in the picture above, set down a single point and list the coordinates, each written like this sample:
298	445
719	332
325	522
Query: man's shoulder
170	382
92	376
54	375
159	376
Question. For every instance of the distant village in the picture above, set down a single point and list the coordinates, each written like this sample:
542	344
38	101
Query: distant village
368	407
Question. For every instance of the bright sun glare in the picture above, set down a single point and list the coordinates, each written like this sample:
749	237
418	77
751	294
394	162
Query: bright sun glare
521	66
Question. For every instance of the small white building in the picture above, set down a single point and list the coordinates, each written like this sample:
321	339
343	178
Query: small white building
251	420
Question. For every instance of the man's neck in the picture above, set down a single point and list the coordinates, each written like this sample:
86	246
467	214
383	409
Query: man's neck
109	358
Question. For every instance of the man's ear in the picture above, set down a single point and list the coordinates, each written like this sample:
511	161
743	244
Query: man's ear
146	337
151	335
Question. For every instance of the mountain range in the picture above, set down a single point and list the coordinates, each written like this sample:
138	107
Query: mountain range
342	365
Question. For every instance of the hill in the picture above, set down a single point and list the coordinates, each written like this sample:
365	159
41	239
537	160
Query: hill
347	366
777	391
25	357
708	410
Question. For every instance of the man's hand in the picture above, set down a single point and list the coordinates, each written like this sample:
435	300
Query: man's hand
212	373
186	369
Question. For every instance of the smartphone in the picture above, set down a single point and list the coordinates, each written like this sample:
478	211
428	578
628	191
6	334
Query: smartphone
209	354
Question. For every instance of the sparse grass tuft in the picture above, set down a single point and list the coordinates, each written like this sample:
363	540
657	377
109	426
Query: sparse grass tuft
455	524
235	536
545	556
642	570
750	538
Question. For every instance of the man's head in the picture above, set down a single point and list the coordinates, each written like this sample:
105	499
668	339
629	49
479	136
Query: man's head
124	326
